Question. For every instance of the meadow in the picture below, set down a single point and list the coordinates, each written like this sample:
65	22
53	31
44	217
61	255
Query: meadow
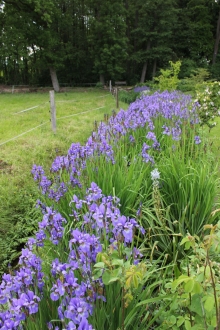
129	232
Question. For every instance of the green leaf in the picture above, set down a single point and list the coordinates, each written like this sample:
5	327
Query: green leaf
182	278
117	262
114	254
172	319
180	321
213	321
116	272
196	306
207	272
106	277
209	303
184	240
187	325
128	251
135	281
188	287
97	274
212	327
152	300
187	245
168	285
113	279
99	265
177	272
200	277
197	288
198	327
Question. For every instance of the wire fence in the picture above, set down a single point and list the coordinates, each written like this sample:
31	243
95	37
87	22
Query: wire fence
46	122
36	106
79	113
32	129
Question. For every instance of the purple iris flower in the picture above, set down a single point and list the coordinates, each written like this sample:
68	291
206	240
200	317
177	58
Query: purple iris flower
197	139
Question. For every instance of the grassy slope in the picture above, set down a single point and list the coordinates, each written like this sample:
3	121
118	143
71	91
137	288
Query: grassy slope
18	192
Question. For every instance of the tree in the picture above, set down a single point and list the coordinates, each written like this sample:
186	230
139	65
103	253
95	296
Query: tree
215	7
107	38
54	32
193	38
152	32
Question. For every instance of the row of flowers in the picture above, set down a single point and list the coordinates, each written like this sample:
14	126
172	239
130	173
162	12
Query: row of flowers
175	109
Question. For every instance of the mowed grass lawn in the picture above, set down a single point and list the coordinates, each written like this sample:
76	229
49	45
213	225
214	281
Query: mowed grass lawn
79	109
18	152
83	108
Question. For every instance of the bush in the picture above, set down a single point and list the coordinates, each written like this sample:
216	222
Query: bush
208	97
194	294
168	80
196	79
132	95
127	96
99	85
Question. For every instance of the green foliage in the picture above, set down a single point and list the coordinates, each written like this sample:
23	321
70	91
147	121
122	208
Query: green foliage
168	80
19	221
151	28
99	85
115	39
127	96
196	292
208	96
188	175
215	71
177	207
196	79
188	66
129	288
127	178
107	38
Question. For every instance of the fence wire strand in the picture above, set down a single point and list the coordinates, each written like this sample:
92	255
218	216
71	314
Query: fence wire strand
79	113
32	129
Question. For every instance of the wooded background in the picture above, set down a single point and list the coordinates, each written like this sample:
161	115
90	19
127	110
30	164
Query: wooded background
80	41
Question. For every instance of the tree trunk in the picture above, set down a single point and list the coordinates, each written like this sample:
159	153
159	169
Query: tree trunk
55	82
154	68
144	70
217	39
102	79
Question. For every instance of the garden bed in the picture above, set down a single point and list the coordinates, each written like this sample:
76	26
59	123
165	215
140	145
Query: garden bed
120	215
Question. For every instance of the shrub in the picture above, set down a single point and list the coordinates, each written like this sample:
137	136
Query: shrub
127	96
192	83
99	85
208	96
195	292
168	79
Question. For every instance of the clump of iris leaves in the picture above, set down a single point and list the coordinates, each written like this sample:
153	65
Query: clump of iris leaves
141	182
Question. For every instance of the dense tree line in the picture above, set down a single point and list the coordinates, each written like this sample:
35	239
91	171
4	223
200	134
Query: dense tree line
78	41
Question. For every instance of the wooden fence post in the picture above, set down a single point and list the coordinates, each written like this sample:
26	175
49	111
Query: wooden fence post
116	96
53	111
110	86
